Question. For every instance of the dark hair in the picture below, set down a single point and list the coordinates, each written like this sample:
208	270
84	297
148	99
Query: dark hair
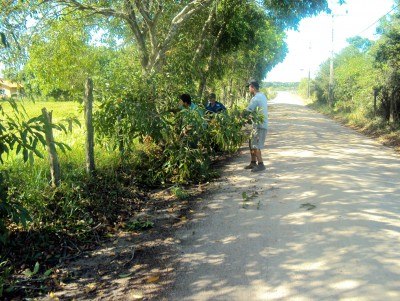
212	96
253	83
186	98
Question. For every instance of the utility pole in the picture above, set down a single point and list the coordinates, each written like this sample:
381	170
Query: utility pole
331	69
330	92
308	82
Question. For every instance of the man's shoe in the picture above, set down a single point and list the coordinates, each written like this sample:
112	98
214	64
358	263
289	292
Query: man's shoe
251	166
258	168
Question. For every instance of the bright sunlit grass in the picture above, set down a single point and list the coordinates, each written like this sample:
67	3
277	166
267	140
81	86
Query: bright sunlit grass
61	109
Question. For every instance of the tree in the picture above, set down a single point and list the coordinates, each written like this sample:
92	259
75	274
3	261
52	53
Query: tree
154	24
387	62
61	58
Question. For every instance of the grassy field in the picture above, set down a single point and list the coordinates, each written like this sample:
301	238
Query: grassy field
61	112
61	109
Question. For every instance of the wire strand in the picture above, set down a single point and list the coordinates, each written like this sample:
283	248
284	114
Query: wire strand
378	19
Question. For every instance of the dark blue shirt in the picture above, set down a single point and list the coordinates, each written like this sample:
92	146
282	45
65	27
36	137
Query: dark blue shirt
218	107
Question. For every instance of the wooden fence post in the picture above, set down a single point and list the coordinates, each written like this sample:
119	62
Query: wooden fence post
89	145
51	149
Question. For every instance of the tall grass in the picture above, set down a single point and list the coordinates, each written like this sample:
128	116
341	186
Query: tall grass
28	184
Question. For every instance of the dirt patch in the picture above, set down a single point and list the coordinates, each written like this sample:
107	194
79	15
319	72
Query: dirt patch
132	265
135	265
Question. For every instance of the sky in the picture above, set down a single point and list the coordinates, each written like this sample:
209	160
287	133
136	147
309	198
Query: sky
311	45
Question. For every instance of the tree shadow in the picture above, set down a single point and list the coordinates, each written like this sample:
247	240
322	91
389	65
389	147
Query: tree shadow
346	247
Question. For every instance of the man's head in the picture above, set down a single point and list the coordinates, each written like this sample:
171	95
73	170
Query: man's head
186	100
212	98
253	86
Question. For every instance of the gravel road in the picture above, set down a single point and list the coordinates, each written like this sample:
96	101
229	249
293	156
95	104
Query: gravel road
321	223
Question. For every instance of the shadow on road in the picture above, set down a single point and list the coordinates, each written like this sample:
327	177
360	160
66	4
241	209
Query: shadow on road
323	223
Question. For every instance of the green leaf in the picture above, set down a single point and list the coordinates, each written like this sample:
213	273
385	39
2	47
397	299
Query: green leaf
31	158
25	154
48	272
36	268
27	273
37	153
41	138
19	146
24	135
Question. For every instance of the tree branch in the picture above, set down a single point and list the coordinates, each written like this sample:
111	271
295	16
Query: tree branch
176	23
203	35
98	10
150	23
139	34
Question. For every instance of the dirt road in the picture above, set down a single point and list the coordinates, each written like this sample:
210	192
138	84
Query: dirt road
322	223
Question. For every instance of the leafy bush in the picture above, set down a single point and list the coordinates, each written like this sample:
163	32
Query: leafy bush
188	142
19	134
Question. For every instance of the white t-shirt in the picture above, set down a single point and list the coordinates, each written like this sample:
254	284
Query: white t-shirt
259	101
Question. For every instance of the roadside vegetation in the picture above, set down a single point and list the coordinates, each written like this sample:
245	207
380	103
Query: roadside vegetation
283	86
74	177
366	92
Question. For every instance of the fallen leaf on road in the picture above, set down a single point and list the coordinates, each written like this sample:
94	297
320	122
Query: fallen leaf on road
308	206
153	279
91	287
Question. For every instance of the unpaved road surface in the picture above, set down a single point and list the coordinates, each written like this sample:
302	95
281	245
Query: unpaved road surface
322	223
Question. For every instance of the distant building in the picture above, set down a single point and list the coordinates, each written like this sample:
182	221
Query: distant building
9	89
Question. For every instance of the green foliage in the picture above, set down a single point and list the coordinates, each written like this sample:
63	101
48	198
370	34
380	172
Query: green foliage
248	197
183	149
19	134
11	209
190	140
366	77
302	88
60	60
24	135
138	224
282	86
5	273
179	192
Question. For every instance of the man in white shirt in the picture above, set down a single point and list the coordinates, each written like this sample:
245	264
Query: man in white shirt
259	132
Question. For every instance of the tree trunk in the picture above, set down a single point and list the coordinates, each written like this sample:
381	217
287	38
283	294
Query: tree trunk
211	58
224	93
121	146
89	145
396	108
386	104
392	106
51	149
202	84
230	94
204	36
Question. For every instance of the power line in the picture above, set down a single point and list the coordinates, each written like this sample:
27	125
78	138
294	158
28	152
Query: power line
378	20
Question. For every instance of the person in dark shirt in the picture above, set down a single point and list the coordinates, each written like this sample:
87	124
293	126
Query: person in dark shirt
213	105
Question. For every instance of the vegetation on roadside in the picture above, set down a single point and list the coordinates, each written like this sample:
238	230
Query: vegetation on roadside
366	93
283	86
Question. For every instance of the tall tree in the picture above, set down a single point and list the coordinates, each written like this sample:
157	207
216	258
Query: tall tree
154	24
61	58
